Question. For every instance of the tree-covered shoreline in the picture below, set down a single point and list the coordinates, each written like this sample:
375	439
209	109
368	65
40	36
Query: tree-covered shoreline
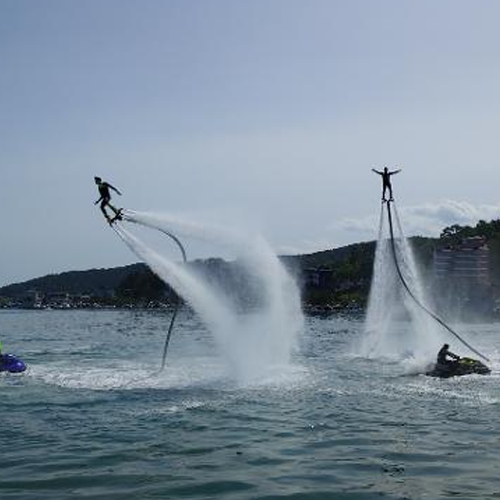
330	279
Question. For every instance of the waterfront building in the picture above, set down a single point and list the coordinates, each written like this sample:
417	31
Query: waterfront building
462	277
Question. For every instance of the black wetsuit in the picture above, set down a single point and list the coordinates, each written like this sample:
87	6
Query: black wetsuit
104	191
386	182
105	198
441	357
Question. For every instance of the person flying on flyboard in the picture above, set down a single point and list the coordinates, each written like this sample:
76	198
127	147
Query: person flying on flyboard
105	199
386	181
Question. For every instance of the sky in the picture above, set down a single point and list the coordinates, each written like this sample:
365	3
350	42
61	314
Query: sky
266	115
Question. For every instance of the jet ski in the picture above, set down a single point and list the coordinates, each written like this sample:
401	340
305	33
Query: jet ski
9	363
462	366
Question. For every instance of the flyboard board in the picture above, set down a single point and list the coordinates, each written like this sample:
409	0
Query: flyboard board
118	216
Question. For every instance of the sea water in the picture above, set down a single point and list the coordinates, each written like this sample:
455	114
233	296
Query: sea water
91	418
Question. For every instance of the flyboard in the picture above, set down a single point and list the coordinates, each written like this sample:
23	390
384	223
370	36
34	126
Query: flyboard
463	366
120	216
12	364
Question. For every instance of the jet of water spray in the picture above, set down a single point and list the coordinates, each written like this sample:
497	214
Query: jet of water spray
396	327
251	342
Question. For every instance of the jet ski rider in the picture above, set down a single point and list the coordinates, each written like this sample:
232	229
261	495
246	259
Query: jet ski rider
444	353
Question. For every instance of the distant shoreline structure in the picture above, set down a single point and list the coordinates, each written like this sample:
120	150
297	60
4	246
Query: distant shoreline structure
330	281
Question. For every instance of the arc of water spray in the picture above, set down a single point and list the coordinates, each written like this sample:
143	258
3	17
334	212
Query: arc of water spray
178	302
412	295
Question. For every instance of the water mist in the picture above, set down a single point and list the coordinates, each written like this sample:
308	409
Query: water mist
254	343
396	327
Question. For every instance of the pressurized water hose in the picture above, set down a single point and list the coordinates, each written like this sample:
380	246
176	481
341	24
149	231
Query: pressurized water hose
412	295
178	301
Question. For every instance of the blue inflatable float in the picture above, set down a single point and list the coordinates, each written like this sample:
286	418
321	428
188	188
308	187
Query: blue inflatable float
9	363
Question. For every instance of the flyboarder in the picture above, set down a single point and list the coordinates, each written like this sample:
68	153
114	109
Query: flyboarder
105	199
442	356
386	181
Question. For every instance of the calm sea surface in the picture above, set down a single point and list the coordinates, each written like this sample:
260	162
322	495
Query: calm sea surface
91	419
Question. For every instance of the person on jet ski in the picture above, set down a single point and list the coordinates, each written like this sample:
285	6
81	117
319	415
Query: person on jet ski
386	181
442	357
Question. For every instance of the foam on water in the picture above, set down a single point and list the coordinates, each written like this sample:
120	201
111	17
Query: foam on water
200	372
182	374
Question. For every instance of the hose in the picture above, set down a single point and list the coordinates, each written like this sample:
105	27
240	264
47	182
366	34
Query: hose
178	301
412	295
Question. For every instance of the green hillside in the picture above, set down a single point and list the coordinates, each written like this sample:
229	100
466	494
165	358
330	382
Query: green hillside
338	277
93	281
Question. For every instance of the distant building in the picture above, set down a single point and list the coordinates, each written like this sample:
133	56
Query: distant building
82	300
468	262
462	276
58	300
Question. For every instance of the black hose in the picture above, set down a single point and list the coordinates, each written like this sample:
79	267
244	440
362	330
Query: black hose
412	295
178	301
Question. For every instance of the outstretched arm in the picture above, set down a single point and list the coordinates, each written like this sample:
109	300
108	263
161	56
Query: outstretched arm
114	189
395	172
377	172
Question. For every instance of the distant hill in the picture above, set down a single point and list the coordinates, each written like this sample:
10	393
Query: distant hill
338	276
92	281
342	276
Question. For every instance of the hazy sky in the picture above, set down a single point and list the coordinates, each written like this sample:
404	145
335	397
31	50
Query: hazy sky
267	114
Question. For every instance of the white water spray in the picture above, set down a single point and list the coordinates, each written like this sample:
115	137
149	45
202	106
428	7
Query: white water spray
253	343
396	327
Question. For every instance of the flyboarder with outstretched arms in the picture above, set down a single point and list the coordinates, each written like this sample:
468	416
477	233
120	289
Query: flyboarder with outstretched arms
105	199
386	181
